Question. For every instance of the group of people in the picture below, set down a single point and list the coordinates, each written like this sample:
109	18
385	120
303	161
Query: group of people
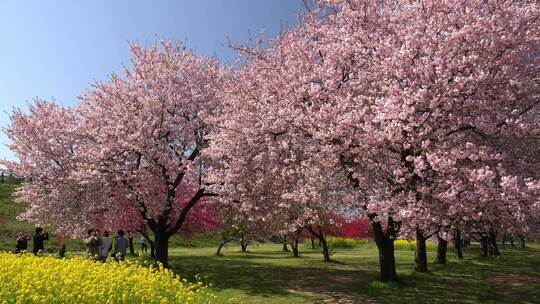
98	247
39	241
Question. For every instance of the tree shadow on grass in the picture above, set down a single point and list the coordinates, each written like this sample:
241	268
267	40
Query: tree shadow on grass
509	279
267	280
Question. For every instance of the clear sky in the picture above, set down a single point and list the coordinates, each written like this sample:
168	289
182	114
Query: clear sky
54	49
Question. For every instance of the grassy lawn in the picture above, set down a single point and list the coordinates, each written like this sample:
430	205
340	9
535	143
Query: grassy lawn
268	275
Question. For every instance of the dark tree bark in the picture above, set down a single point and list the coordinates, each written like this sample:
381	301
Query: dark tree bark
62	251
385	245
295	240
420	254
294	246
441	250
161	250
312	243
484	245
218	252
457	244
131	247
326	251
244	244
493	240
319	234
512	241
285	248
165	225
152	249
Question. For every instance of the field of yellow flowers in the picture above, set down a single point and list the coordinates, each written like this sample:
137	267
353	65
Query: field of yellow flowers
29	279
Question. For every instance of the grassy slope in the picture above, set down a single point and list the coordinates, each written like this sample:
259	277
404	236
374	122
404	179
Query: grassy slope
9	226
267	275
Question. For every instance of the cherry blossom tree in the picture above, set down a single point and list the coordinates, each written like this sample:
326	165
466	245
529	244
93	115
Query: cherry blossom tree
425	86
262	164
128	154
45	143
408	98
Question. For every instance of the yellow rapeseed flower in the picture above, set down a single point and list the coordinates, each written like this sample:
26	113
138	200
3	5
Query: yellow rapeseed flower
28	279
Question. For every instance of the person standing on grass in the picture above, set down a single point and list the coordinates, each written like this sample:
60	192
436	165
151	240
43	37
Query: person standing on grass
144	245
92	244
22	242
39	239
105	246
120	246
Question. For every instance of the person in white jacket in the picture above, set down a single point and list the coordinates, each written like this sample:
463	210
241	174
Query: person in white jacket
105	246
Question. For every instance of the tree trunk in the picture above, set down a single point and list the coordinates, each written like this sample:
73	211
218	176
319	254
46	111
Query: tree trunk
131	247
441	250
493	239
385	245
522	239
512	241
484	246
161	249
312	243
322	242
244	244
244	247
294	246
326	252
285	248
420	254
62	251
504	240
457	244
296	238
152	249
221	246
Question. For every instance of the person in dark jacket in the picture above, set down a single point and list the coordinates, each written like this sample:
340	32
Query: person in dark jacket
22	242
39	239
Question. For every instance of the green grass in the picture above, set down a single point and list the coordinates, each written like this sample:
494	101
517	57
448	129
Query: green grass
268	275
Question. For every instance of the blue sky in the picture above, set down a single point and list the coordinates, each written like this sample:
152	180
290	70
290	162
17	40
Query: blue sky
54	49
